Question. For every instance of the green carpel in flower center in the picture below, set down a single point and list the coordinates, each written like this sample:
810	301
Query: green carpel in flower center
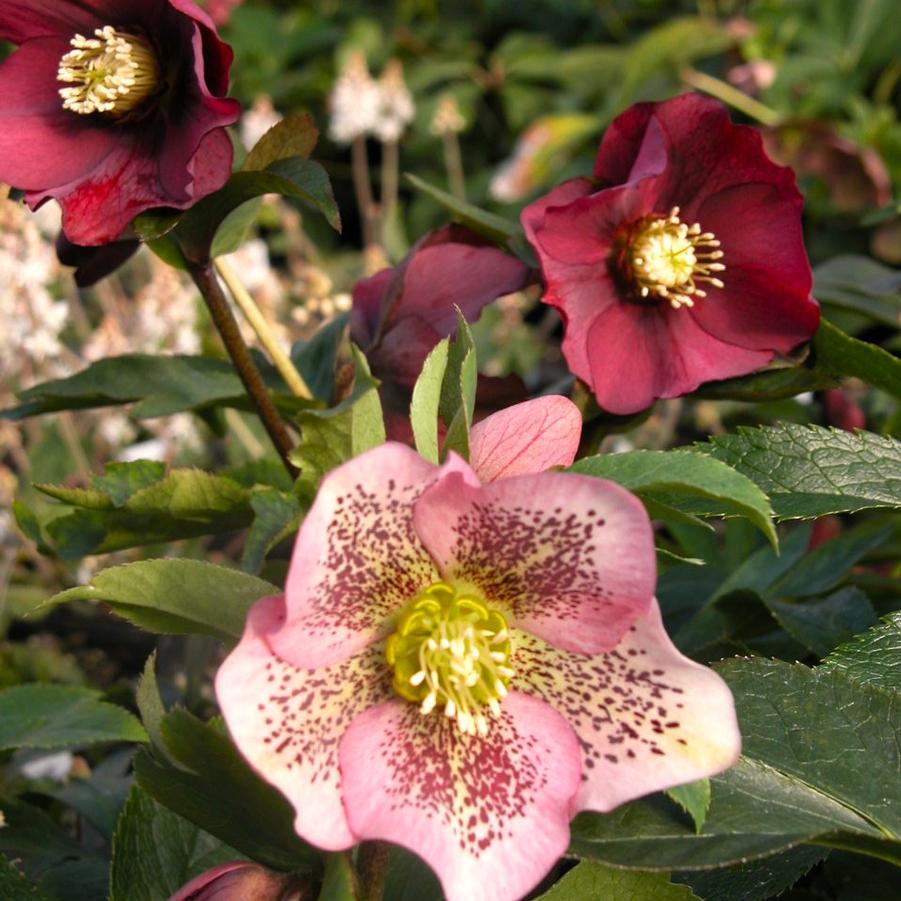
111	73
667	259
451	651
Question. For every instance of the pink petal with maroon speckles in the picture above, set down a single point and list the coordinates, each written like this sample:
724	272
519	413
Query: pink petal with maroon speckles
526	438
569	557
647	717
357	559
287	722
489	814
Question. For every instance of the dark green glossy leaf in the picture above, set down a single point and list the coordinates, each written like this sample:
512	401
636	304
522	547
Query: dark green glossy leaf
873	658
590	881
841	355
276	515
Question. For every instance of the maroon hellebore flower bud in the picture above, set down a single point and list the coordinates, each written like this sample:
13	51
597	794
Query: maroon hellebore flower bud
239	880
400	314
682	261
113	107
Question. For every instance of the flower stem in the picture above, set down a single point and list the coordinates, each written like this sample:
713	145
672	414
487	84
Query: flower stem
372	868
363	188
453	162
224	320
390	167
287	370
732	96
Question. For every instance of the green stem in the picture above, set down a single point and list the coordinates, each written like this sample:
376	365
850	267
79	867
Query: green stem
372	867
205	278
732	96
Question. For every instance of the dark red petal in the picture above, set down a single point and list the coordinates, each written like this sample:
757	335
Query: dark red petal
443	275
21	20
621	144
766	302
41	144
533	215
639	354
401	353
368	295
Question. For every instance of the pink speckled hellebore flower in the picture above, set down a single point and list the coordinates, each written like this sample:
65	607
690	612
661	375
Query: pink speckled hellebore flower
682	261
459	668
113	107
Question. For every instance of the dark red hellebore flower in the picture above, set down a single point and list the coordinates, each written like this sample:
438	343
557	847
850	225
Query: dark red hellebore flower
680	262
113	107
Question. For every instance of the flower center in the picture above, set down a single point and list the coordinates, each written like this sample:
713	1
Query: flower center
111	73
668	259
451	649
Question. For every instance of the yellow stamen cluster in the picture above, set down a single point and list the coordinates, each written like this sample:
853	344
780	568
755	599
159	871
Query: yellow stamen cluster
111	73
451	651
667	259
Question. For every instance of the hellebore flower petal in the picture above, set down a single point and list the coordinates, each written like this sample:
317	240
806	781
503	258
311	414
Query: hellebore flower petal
288	721
570	558
357	557
526	438
687	219
149	133
647	717
490	815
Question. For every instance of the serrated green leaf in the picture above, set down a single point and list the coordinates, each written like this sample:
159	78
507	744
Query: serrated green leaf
276	515
840	354
488	225
213	787
809	471
589	881
175	596
683	480
859	284
316	358
121	480
62	716
821	624
873	658
367	420
150	704
426	401
183	504
155	851
694	799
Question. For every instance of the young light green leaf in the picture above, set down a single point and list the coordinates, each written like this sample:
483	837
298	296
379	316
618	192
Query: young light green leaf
589	881
458	391
62	716
155	851
809	471
368	420
175	596
426	401
683	480
694	799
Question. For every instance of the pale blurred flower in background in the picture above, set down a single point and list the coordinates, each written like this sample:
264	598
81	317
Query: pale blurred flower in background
258	120
396	109
355	101
447	119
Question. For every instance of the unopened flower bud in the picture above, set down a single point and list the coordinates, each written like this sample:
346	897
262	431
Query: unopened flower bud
238	880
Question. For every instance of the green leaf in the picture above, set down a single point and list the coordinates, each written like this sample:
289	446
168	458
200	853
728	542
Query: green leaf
589	881
235	227
121	480
841	355
15	887
155	851
426	401
873	658
758	880
339	883
150	704
293	136
779	382
694	799
682	479
458	390
316	359
62	716
276	515
213	787
164	385
488	225
176	596
821	624
183	504
809	471
295	177
367	420
858	284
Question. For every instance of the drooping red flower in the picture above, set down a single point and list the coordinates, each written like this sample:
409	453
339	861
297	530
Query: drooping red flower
113	107
682	261
400	314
